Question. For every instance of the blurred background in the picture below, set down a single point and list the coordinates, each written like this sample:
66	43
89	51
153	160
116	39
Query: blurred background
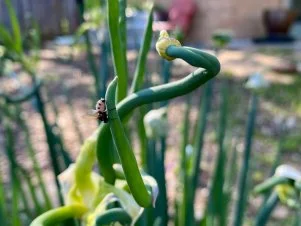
64	63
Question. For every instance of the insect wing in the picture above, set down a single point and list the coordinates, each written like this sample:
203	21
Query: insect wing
91	114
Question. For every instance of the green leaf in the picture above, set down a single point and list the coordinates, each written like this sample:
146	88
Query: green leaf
6	38
15	27
119	60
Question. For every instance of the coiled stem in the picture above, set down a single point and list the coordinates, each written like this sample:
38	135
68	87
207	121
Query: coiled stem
209	67
125	152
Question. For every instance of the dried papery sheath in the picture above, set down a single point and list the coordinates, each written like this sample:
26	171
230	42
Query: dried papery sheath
164	42
288	172
257	82
156	123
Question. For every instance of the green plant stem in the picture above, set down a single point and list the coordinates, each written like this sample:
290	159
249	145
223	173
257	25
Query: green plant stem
146	45
123	32
265	213
104	66
112	216
51	142
91	58
156	94
162	205
278	154
215	208
15	206
116	46
16	186
142	137
58	215
3	205
275	164
166	66
243	177
194	168
31	188
181	216
125	152
270	183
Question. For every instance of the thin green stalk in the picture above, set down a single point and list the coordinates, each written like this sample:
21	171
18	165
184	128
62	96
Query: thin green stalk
36	166
60	146
166	66
91	58
185	137
151	157
112	216
278	154
230	179
16	186
152	169
194	169
142	137
104	66
265	213
297	217
116	46
184	164
215	208
31	188
157	94
270	183
123	32
3	205
59	215
275	164
126	155
162	205
51	142
16	221
41	108
92	64
243	177
146	45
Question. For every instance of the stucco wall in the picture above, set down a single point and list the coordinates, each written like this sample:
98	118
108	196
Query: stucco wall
241	16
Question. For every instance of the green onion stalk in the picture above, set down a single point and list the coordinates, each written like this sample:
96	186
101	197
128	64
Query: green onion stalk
187	211
159	93
21	172
112	216
123	147
3	205
117	36
91	58
17	190
244	172
216	203
263	216
183	182
256	84
137	84
143	188
50	136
